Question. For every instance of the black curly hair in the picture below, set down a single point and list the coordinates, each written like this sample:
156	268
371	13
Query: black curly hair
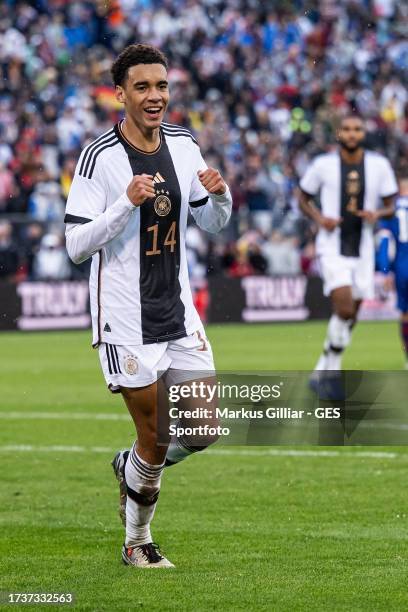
133	55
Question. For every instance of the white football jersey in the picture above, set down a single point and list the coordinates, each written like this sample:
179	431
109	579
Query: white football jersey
343	189
139	286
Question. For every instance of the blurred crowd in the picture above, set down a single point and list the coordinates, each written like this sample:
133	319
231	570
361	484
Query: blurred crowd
261	85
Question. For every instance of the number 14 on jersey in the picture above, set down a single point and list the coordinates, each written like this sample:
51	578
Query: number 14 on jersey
169	241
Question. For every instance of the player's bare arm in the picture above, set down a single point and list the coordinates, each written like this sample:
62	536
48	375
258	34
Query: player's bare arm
386	212
310	209
140	189
212	181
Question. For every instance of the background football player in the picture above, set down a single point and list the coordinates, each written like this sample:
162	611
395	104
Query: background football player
356	187
395	232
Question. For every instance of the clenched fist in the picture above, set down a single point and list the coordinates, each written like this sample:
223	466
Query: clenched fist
328	223
140	189
212	181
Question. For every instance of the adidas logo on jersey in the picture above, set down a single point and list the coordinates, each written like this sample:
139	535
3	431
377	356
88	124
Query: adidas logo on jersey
158	178
107	328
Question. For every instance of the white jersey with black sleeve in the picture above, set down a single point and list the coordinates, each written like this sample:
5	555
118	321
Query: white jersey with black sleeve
139	286
343	190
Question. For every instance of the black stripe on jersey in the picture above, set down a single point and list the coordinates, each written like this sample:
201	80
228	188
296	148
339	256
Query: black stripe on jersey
98	302
199	203
176	129
98	293
91	147
108	358
92	159
178	134
107	146
74	219
174	126
352	200
162	310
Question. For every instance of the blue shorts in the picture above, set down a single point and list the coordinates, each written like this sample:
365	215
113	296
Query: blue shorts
401	285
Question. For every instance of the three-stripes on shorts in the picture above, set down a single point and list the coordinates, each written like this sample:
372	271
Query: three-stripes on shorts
138	366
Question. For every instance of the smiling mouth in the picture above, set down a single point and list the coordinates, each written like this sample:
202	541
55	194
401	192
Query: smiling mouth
153	111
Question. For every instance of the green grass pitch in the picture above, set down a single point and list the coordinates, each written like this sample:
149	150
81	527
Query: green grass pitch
246	531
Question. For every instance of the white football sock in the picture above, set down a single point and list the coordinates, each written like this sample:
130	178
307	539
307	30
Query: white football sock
338	338
143	487
322	361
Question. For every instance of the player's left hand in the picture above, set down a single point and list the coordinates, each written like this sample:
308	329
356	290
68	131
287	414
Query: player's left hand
370	216
212	181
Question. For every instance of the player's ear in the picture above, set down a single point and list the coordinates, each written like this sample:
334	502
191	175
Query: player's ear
120	94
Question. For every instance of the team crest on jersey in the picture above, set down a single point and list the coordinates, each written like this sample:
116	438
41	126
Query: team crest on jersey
130	364
162	205
353	187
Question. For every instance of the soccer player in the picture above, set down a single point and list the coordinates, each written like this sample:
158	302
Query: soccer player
127	209
395	231
356	187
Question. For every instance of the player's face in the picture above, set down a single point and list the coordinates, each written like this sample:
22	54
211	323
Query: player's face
351	134
145	94
403	186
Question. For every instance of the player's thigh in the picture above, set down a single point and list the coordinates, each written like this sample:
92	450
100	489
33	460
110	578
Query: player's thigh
343	302
135	371
191	358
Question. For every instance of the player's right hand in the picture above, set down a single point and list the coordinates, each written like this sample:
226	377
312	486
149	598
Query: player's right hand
329	224
140	189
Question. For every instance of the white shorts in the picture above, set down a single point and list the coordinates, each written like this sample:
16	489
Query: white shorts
355	272
142	365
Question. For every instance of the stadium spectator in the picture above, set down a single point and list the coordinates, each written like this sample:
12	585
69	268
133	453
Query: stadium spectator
6	186
282	255
9	255
263	84
46	203
51	260
31	237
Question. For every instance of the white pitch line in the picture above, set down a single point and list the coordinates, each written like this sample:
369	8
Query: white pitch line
31	448
272	452
68	416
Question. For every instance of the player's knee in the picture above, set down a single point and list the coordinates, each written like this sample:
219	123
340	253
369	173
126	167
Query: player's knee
345	312
199	443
